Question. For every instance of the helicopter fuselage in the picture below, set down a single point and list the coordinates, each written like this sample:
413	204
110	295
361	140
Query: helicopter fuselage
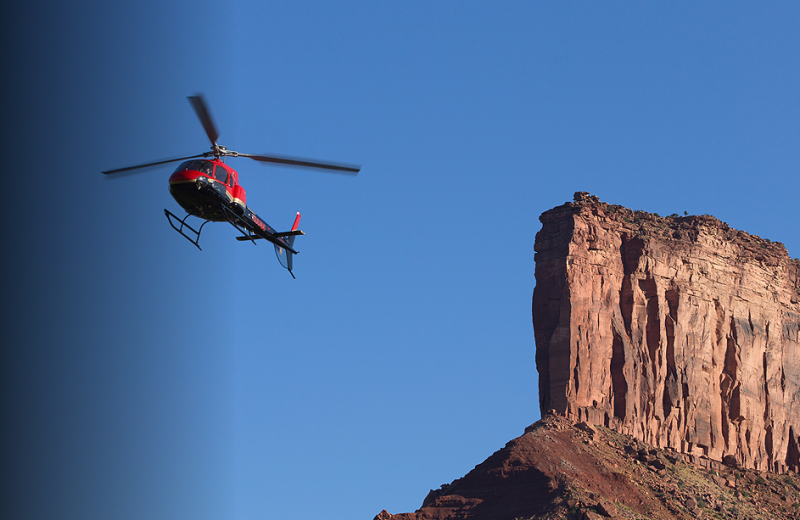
209	189
202	187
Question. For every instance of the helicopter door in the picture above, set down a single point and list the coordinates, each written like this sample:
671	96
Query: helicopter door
221	174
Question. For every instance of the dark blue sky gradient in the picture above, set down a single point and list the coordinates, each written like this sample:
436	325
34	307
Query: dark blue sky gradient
142	378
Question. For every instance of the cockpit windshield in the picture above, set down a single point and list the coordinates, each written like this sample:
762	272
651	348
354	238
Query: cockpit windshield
205	167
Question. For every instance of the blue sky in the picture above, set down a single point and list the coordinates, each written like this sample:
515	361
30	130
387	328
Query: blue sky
142	378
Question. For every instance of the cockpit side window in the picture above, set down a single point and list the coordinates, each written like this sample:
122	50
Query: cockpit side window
184	166
221	174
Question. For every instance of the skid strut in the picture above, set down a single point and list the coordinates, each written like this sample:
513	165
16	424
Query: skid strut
190	229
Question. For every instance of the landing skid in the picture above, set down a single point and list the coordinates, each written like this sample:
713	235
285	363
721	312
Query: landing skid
190	229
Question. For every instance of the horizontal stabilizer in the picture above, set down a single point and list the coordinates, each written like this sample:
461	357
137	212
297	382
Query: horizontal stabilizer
292	233
285	234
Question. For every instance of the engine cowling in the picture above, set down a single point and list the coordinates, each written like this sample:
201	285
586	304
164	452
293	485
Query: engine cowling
239	200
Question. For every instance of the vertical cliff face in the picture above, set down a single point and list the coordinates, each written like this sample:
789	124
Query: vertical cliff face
680	331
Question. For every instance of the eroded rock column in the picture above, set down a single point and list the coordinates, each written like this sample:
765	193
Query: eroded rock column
680	331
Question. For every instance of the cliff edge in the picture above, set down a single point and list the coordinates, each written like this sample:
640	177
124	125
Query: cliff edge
679	331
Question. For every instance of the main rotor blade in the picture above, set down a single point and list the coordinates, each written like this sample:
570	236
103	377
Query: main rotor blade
338	168
129	168
201	109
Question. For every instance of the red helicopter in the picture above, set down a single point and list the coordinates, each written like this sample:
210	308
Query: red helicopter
209	189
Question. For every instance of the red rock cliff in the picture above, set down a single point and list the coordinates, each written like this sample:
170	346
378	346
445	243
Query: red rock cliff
680	331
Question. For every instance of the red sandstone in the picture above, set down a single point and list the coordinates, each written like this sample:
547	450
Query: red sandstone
679	331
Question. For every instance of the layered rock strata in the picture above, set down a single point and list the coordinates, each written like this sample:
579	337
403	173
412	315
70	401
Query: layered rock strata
680	331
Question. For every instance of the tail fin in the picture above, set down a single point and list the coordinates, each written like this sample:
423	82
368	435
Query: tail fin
284	255
290	238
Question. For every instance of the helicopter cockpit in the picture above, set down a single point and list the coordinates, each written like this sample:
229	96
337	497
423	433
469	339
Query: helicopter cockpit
204	167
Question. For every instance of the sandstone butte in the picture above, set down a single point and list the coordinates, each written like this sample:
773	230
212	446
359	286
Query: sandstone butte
668	352
681	332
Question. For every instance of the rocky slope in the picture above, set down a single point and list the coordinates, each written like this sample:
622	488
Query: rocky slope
560	469
680	331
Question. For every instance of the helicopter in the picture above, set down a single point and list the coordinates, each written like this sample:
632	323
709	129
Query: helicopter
207	188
